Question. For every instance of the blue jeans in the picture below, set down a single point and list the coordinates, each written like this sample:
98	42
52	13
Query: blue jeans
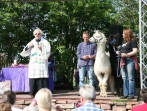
128	73
82	72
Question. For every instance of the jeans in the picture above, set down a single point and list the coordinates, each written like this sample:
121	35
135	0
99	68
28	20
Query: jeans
82	72
128	73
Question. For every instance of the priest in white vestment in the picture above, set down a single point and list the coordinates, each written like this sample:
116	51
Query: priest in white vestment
39	50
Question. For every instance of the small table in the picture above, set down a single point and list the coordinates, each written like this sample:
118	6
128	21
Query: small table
19	78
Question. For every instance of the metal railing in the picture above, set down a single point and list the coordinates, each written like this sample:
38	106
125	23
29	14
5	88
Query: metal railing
143	42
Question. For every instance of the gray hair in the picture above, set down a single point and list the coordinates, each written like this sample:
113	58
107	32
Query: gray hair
38	29
30	108
87	92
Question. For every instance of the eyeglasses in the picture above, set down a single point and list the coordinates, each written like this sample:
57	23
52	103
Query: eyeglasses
37	33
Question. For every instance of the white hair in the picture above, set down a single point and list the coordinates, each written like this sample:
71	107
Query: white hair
87	92
38	29
30	108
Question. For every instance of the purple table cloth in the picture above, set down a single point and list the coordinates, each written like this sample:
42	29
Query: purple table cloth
19	78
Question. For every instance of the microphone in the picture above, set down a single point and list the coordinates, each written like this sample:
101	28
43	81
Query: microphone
38	40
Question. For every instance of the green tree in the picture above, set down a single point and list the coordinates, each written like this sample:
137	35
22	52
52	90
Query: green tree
127	14
61	22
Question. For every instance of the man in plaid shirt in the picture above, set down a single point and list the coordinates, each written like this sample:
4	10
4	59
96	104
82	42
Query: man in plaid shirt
87	96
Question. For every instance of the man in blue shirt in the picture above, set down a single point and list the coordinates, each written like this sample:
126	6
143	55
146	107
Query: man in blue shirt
87	96
86	52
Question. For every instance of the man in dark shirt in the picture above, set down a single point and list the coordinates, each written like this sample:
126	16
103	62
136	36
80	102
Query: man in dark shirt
86	52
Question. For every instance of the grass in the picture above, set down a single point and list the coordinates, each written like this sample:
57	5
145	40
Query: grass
124	101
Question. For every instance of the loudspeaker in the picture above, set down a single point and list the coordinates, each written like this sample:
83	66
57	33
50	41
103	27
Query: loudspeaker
116	31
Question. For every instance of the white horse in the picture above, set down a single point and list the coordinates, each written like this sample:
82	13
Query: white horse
102	66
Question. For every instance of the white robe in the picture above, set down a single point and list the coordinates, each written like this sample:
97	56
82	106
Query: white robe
38	64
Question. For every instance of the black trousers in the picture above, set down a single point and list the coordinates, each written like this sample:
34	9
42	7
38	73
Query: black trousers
36	84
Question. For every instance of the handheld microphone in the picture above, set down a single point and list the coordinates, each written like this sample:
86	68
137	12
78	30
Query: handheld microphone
38	40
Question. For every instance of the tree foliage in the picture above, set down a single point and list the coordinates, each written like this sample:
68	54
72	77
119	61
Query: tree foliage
127	14
62	24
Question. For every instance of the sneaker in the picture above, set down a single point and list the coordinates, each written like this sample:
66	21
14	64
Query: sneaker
130	97
123	97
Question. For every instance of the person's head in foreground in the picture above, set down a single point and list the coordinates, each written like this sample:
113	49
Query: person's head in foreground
9	96
30	108
142	107
8	99
87	93
5	106
87	96
44	99
143	93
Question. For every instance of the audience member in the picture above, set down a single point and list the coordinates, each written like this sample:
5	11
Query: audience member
142	107
30	108
43	99
5	106
87	97
10	97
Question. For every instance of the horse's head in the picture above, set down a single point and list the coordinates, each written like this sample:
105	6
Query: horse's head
98	38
